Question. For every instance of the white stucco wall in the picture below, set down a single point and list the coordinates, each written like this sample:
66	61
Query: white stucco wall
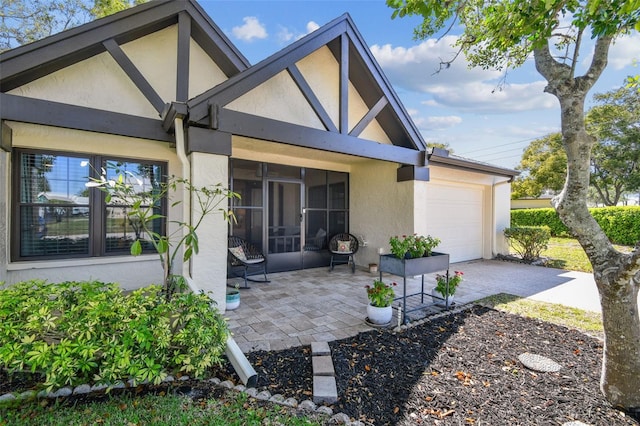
279	98
129	272
502	214
209	266
97	82
379	207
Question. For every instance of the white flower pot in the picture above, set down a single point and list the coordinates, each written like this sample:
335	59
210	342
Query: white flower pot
379	316
437	298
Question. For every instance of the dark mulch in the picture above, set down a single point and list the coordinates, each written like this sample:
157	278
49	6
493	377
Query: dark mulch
458	369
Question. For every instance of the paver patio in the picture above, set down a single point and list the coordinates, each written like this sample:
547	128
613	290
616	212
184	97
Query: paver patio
304	306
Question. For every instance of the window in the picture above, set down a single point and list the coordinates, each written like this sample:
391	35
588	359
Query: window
56	216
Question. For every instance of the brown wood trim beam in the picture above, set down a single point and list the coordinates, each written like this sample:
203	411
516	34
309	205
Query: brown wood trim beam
184	44
242	124
208	141
344	84
311	97
369	117
411	172
48	113
134	74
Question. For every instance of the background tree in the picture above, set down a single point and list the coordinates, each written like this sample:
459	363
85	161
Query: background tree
501	34
615	159
25	21
544	167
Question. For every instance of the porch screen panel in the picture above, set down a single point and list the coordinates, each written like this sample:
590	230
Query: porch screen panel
246	180
338	197
53	207
316	228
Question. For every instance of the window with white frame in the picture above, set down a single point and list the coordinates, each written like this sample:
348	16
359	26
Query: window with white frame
55	215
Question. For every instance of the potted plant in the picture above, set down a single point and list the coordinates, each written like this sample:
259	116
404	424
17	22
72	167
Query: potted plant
233	298
413	246
444	290
381	296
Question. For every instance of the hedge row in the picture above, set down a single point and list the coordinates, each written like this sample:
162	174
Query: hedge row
620	224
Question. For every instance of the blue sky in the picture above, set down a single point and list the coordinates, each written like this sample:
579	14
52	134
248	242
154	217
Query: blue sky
458	106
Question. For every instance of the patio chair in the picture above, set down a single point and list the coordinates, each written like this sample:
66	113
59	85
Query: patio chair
243	254
343	247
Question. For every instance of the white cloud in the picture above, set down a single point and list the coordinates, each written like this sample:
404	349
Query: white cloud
441	122
312	26
251	29
625	51
460	87
284	35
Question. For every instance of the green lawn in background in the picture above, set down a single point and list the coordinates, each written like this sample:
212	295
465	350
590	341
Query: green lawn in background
566	253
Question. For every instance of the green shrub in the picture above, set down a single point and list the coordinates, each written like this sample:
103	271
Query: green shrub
528	241
620	224
83	332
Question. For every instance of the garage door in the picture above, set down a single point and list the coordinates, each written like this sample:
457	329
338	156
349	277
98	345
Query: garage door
455	215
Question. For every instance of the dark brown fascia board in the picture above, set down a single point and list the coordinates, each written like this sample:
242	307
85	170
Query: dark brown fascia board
370	63
242	83
213	40
27	63
472	166
48	113
242	124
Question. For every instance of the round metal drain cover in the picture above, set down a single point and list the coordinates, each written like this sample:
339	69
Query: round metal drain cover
539	363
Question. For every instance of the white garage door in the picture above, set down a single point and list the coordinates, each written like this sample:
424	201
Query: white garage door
455	215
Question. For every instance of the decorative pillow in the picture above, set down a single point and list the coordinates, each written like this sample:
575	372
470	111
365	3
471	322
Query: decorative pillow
344	246
238	252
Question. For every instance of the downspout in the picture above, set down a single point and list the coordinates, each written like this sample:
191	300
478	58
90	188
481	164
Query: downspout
186	196
493	213
238	360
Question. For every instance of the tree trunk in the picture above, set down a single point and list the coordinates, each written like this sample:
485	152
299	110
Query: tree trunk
617	275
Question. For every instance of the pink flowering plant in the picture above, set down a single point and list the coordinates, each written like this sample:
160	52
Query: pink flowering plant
380	294
454	282
415	245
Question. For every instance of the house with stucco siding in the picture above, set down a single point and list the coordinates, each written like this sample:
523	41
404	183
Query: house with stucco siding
314	139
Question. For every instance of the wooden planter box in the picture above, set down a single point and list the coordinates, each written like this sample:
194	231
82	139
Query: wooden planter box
417	266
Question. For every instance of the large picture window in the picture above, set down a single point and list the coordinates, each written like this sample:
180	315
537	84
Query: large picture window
56	216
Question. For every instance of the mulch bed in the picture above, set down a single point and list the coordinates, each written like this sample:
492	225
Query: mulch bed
454	370
457	369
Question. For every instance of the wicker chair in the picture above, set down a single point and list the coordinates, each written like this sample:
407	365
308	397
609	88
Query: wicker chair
243	254
343	247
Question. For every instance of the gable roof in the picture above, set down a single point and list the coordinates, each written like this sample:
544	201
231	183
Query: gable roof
32	61
357	66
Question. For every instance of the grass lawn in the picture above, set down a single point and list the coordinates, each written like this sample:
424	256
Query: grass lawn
566	253
586	321
233	409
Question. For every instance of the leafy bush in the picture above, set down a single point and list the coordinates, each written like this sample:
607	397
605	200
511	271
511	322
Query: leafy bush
81	332
528	241
620	224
